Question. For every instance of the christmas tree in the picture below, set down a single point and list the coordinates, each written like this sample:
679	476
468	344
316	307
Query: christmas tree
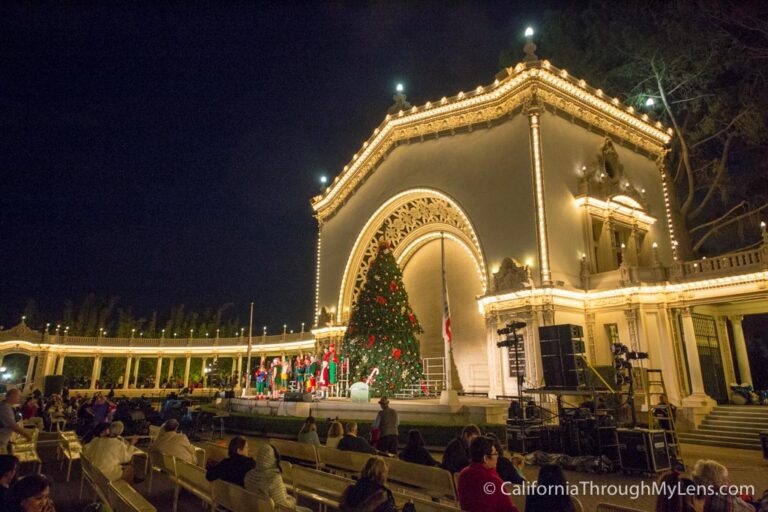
382	330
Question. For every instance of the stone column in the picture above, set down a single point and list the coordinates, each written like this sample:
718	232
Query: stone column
239	369
158	371
127	374
203	375
170	368
2	358
59	365
96	372
136	372
30	369
742	357
698	402
186	370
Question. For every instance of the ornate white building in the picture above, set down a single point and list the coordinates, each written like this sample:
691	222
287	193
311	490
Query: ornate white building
555	210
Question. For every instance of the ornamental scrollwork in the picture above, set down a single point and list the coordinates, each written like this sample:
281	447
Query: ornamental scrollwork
405	220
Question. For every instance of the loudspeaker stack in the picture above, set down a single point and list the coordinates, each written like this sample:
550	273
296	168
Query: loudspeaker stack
561	347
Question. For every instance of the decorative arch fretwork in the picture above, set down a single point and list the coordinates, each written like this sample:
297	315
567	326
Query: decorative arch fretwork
407	221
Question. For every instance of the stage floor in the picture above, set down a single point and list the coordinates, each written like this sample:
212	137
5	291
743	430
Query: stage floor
468	410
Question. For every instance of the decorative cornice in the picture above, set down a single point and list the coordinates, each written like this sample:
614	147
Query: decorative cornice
524	84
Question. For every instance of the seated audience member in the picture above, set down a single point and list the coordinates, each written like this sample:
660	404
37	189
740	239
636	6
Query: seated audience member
479	477
308	432
335	433
518	462
171	442
763	502
351	442
266	478
504	467
551	492
111	454
30	494
235	466
456	455
29	413
9	466
680	494
369	493
415	452
712	473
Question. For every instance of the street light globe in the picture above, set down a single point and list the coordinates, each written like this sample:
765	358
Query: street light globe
323	180
529	32
650	102
399	88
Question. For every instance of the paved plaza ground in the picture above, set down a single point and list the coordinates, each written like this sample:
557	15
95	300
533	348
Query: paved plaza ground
746	467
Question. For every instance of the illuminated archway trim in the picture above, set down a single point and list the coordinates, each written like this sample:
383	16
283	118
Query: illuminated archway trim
388	209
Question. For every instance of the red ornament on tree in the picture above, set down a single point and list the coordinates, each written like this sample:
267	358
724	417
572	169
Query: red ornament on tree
411	318
393	286
381	300
371	341
397	353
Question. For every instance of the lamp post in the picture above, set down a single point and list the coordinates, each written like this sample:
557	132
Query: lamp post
248	354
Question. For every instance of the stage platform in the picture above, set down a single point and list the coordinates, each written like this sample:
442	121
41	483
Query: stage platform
469	409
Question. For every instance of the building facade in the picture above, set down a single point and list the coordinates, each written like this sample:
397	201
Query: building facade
552	201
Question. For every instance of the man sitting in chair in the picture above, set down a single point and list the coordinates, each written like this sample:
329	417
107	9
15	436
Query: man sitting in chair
111	454
172	442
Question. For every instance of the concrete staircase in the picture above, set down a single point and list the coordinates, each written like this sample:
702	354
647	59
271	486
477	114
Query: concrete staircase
732	426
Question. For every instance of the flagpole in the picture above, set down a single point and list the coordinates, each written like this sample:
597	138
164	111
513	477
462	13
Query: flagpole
448	396
250	348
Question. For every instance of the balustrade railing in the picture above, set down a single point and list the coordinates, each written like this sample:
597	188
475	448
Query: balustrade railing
103	341
737	262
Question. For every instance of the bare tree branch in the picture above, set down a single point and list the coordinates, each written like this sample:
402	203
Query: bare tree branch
719	219
717	228
721	167
686	157
719	132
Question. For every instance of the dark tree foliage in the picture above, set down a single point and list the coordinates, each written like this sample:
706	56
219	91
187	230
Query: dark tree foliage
703	65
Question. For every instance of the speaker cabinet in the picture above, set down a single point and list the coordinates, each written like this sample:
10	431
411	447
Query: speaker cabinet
53	385
643	451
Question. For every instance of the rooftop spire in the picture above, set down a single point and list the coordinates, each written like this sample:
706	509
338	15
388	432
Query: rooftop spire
530	47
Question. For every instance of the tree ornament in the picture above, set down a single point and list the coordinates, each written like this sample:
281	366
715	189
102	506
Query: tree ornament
381	300
397	353
371	341
393	286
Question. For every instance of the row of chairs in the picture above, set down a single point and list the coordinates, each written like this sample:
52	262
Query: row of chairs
406	478
26	451
216	495
119	495
326	489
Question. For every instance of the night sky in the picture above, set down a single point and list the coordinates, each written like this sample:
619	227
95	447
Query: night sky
166	153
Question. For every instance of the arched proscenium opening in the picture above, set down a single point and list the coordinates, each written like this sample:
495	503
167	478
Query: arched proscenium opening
408	220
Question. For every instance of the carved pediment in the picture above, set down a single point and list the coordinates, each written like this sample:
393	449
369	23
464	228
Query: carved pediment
511	276
605	178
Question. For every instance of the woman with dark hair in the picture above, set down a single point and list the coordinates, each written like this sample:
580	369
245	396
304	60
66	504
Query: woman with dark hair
235	466
550	493
30	494
415	452
308	432
680	494
370	492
